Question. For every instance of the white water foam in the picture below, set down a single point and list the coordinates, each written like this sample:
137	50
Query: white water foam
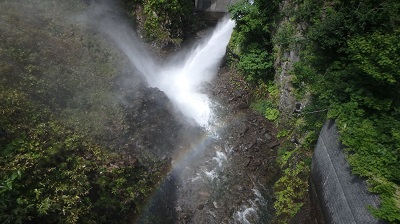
214	168
220	158
248	212
211	174
182	82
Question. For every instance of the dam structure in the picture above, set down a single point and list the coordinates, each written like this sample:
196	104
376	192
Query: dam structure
210	11
219	6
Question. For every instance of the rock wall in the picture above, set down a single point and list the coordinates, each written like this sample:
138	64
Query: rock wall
341	196
287	101
287	53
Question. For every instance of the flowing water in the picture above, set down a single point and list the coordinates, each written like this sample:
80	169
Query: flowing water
206	185
182	81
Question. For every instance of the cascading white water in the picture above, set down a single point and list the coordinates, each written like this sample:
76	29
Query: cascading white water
181	81
248	213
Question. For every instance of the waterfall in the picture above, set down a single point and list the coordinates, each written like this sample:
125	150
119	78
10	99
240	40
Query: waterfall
181	81
209	180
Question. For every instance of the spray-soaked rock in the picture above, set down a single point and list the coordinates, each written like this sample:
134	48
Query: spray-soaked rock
154	124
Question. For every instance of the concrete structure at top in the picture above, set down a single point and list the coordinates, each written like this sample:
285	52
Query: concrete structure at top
213	5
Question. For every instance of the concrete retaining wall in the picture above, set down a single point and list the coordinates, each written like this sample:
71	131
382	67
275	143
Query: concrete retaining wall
341	196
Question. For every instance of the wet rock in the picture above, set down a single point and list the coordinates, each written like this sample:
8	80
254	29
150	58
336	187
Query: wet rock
294	140
246	162
240	188
273	145
154	124
240	93
184	218
257	162
3	133
204	194
243	128
242	105
260	142
200	207
215	204
298	108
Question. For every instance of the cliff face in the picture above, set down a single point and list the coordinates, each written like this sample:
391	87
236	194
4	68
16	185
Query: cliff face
287	46
284	63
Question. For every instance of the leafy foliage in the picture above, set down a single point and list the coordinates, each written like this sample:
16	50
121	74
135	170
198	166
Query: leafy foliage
350	67
267	105
166	21
271	114
55	101
376	56
291	188
284	35
256	63
53	175
251	40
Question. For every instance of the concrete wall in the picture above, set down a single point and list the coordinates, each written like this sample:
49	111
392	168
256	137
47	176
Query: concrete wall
342	197
213	5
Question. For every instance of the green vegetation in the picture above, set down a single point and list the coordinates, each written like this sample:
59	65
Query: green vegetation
56	109
251	42
165	22
271	114
351	67
266	97
349	71
290	190
51	174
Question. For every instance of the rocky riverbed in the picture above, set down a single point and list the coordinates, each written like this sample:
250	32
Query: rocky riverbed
221	175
